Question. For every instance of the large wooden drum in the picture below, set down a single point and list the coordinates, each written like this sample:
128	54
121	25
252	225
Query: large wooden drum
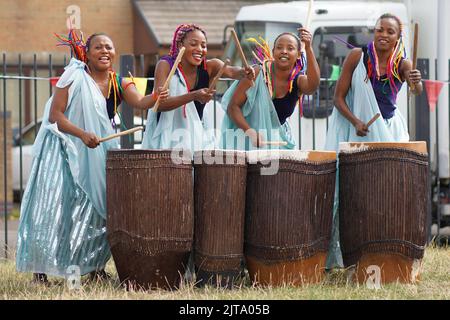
150	220
219	193
289	209
383	205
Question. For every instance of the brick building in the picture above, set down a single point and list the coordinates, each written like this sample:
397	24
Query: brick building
137	27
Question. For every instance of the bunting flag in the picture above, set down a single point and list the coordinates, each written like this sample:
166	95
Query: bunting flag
433	89
141	84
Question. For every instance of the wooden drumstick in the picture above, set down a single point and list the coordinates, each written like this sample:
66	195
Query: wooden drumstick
123	133
172	72
375	117
274	143
309	16
308	19
414	57
219	74
239	48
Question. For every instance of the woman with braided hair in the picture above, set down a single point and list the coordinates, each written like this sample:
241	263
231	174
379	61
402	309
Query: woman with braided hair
369	83
378	71
178	122
63	212
260	111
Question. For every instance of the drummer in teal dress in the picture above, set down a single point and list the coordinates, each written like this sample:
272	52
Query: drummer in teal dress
63	213
370	81
259	111
178	122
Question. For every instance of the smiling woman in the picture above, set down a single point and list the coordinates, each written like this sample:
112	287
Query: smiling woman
64	201
178	122
369	83
280	83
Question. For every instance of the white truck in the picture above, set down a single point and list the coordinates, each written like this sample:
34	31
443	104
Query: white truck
332	23
353	22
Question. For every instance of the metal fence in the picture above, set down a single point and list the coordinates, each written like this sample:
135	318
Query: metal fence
22	106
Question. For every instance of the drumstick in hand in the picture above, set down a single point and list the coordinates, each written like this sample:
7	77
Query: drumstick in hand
172	72
219	74
375	117
275	143
123	133
414	59
239	48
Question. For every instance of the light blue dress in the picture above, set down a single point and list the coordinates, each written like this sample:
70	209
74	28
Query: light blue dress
177	129
63	212
363	104
260	114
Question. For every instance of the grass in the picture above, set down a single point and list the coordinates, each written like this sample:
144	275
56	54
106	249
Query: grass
434	284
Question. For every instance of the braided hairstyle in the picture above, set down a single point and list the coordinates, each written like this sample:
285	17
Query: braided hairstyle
179	35
397	55
264	56
91	37
78	47
396	18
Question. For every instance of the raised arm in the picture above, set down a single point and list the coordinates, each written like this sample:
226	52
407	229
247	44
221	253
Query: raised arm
137	100
309	83
232	72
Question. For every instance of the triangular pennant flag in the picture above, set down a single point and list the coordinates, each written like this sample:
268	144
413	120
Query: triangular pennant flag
54	81
433	89
141	84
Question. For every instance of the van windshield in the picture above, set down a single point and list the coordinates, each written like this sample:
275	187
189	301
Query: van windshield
335	43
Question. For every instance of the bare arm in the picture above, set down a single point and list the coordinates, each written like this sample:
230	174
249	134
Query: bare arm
343	85
138	101
412	77
232	72
58	107
309	83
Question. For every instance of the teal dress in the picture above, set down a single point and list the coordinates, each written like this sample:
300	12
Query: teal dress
180	128
363	104
259	112
63	211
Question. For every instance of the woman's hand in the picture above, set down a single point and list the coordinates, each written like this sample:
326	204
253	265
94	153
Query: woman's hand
415	76
361	128
204	95
161	94
90	140
248	72
305	37
256	138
